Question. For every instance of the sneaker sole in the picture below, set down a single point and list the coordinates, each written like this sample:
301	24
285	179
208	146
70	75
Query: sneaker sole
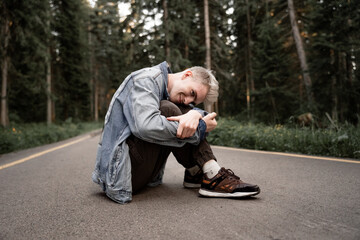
227	195
191	185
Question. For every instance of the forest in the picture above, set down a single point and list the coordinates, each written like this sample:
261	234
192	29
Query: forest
275	60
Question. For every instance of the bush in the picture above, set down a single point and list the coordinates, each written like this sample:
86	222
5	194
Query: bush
343	141
22	136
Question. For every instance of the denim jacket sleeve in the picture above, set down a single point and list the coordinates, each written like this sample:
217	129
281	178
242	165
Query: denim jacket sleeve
146	121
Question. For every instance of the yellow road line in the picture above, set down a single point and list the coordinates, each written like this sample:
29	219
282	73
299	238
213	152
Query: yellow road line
42	153
289	154
219	147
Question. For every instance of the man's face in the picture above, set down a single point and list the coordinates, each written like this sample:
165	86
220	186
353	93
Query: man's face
187	90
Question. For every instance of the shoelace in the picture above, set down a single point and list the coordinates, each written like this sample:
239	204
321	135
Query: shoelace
231	174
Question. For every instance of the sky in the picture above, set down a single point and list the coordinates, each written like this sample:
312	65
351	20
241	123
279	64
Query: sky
124	8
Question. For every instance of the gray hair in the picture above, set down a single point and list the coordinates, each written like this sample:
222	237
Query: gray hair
206	77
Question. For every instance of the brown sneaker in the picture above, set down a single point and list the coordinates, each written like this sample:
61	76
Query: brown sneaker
227	184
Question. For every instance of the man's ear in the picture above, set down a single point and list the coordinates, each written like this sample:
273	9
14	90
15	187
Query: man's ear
187	74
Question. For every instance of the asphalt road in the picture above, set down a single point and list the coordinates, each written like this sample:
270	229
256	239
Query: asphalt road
49	194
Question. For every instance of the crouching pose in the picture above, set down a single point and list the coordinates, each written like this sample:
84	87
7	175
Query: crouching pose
151	115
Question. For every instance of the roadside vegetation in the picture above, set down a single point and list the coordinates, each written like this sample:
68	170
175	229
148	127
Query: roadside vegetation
22	136
335	141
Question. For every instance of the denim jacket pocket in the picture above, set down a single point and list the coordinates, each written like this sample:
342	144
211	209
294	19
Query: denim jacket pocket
114	164
118	177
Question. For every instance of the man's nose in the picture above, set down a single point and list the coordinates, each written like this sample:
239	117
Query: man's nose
188	100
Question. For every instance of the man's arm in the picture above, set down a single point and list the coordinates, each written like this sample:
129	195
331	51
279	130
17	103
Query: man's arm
145	119
188	123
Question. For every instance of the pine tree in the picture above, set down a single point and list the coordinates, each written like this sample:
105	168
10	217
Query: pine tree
5	21
219	44
27	95
50	112
301	54
72	83
334	39
239	87
175	37
274	99
139	51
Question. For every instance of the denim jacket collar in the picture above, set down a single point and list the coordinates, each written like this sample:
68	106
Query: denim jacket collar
165	70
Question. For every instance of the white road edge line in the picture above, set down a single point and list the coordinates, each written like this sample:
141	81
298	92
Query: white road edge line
43	152
288	154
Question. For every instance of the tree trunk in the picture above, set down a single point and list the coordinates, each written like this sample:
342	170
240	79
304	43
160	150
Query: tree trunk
250	86
48	73
96	95
186	42
334	86
248	106
208	107
301	53
48	86
4	73
4	110
273	103
165	18
343	79
186	55
92	72
207	35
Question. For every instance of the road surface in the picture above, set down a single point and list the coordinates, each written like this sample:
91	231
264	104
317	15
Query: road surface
47	193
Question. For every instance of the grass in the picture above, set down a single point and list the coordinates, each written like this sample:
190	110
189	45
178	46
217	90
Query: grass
22	136
343	141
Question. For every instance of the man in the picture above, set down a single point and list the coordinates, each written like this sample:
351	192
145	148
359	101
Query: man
151	115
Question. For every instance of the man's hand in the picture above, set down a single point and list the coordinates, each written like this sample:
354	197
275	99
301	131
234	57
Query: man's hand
210	121
188	123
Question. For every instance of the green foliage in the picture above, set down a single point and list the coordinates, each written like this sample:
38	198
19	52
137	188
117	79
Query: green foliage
333	42
93	49
221	52
28	51
22	136
341	142
72	81
274	98
107	43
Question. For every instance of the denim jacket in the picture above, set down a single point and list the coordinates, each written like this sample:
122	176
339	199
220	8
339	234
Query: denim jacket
134	109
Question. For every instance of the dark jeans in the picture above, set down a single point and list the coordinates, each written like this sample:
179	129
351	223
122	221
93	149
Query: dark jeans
148	158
